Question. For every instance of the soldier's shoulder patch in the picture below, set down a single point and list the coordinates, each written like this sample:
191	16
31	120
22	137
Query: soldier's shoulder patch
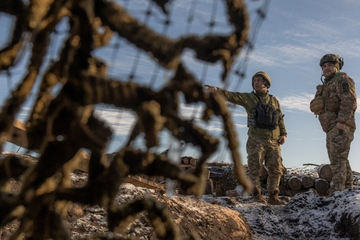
345	87
340	74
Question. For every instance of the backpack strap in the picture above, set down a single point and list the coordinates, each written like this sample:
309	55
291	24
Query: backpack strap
270	102
257	96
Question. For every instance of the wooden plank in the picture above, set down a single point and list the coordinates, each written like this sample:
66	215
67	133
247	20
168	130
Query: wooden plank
135	180
142	182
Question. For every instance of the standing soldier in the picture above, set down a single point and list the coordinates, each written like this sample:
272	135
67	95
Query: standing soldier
335	103
265	135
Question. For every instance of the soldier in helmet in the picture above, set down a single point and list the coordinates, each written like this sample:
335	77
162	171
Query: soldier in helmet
265	134
335	104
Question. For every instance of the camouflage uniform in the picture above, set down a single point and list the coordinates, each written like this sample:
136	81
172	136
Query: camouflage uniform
262	144
339	107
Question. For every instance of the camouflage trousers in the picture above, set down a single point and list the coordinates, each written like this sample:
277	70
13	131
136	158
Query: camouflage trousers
338	148
264	151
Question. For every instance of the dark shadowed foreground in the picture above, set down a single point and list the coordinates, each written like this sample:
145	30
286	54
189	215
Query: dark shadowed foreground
306	215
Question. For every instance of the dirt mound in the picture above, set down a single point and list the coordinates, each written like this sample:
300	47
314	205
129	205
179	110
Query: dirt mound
192	216
307	214
195	219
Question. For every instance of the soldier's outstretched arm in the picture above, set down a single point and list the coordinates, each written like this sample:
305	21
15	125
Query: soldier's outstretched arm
212	88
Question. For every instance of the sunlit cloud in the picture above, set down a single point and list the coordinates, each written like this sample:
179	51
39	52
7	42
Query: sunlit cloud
301	102
297	102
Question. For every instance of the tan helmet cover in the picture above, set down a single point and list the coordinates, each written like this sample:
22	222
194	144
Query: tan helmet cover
264	75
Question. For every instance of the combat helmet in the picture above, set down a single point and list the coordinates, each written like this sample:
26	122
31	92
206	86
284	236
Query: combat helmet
338	61
265	76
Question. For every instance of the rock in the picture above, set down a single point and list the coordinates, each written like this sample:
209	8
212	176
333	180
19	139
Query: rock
232	193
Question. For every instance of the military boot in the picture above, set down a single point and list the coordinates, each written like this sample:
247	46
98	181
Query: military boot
330	191
258	197
273	199
349	185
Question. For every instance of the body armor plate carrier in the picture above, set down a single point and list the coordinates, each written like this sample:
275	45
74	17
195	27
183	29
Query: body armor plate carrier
264	115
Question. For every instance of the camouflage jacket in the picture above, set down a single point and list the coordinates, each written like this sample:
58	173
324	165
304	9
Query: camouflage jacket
340	102
249	101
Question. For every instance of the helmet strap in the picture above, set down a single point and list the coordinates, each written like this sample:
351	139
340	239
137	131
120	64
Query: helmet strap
321	78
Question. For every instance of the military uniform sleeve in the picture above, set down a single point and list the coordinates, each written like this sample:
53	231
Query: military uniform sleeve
347	94
282	127
233	97
282	122
242	99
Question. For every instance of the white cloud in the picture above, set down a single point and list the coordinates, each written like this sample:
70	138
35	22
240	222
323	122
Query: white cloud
301	102
297	102
303	36
281	55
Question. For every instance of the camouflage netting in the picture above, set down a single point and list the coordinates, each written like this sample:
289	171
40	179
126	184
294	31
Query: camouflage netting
60	126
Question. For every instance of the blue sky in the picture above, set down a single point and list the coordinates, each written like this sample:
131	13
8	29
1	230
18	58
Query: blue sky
289	44
293	38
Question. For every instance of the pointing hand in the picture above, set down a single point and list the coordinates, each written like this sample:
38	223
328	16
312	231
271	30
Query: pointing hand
212	88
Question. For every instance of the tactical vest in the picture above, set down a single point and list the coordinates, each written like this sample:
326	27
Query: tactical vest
264	115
